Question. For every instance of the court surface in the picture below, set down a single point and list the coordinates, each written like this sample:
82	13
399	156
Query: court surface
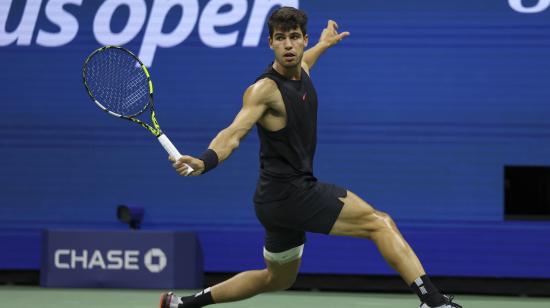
22	297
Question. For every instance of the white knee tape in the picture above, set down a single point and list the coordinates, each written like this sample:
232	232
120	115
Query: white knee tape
285	256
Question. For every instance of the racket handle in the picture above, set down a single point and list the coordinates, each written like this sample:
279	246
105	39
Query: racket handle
172	151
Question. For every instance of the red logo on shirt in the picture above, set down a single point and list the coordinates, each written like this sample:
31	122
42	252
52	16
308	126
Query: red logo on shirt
304	97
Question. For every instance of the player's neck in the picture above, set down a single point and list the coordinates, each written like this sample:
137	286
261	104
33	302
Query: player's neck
292	73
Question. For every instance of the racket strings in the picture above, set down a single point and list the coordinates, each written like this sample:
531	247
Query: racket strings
117	82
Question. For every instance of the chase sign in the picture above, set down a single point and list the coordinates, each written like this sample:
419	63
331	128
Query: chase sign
121	259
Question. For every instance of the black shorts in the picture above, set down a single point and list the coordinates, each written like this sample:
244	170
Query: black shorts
289	209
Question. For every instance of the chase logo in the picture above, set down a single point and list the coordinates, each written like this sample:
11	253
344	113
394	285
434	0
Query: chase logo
155	260
54	23
115	260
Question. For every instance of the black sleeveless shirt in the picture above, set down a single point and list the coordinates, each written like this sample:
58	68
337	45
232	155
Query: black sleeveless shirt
288	153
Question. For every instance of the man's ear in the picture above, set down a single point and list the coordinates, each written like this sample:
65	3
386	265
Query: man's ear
306	40
270	41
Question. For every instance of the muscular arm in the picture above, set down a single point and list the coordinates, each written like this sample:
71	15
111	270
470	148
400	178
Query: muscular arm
329	37
256	101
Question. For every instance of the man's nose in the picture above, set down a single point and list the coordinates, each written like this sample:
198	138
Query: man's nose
288	44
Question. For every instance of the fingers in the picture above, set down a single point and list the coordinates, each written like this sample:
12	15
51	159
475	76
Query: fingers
183	160
332	25
343	35
332	28
183	165
183	170
186	170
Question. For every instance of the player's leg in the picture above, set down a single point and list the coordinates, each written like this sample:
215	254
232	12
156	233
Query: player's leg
274	277
358	219
280	273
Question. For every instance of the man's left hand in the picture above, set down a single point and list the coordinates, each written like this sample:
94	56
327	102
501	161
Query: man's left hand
330	35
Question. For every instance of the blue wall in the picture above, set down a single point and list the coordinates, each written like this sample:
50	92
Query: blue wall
420	110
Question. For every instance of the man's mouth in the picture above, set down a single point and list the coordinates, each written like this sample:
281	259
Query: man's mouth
289	56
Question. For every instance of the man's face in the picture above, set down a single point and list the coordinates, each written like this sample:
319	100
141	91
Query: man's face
288	46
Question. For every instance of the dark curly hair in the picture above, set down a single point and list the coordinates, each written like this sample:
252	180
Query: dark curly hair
287	18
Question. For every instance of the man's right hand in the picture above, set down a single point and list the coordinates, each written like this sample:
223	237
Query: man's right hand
181	165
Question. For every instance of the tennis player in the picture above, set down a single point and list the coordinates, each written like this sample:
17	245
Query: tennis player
289	200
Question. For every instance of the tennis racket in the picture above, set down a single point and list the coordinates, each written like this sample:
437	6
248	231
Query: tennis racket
118	82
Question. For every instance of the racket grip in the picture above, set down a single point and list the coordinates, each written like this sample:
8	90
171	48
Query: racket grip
172	151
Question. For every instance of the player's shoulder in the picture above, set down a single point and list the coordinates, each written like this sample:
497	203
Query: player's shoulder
262	91
264	85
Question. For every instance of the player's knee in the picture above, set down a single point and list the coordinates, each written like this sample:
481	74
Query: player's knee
385	223
281	282
386	220
284	283
375	223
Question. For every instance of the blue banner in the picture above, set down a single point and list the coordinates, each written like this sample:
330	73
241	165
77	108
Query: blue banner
121	259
